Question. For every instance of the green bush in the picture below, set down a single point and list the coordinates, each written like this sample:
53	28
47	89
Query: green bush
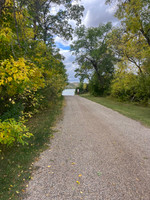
13	110
12	131
83	88
97	89
131	87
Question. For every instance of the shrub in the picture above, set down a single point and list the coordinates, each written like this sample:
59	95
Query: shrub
82	88
12	131
131	87
97	89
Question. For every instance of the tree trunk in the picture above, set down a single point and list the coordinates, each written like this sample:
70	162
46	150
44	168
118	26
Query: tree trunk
35	29
98	75
96	70
45	35
146	35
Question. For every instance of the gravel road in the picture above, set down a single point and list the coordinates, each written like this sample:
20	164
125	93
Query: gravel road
97	154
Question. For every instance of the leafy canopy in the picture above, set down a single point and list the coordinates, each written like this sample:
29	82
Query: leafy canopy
93	55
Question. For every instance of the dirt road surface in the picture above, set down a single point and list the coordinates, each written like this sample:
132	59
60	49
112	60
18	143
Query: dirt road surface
97	154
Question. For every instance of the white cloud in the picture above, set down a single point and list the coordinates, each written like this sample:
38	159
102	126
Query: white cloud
62	41
55	8
97	12
70	66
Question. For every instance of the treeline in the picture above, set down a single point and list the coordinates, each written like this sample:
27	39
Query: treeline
116	60
32	73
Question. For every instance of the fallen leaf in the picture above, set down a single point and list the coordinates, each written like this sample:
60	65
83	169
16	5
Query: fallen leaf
78	182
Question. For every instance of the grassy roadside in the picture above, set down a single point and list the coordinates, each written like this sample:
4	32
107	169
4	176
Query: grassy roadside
139	113
16	164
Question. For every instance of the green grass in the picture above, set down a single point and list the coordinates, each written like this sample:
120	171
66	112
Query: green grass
137	112
16	163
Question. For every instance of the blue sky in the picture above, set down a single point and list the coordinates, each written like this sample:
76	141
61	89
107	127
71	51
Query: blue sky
96	12
61	46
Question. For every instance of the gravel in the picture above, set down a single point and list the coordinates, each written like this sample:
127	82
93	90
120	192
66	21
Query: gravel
96	154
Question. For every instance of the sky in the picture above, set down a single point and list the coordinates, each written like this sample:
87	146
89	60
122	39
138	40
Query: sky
96	12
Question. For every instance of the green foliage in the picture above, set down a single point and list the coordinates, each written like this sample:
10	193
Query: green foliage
7	38
130	87
16	76
130	48
131	45
46	23
12	131
16	161
82	88
123	86
143	89
94	57
97	89
15	110
135	17
31	70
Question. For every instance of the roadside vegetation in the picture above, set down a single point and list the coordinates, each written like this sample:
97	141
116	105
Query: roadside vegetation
16	162
32	72
32	78
136	112
115	61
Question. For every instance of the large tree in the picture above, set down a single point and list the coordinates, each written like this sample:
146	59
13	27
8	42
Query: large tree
131	41
31	70
92	53
52	17
131	44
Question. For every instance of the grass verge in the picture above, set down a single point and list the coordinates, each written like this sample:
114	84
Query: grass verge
16	163
136	112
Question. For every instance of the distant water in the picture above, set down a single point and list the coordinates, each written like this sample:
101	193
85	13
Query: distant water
68	92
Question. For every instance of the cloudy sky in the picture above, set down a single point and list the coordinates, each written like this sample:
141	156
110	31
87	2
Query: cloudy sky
96	12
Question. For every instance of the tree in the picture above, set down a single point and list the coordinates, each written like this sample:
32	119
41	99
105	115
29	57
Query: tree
92	53
135	16
37	20
130	48
131	45
128	86
48	21
32	74
84	73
